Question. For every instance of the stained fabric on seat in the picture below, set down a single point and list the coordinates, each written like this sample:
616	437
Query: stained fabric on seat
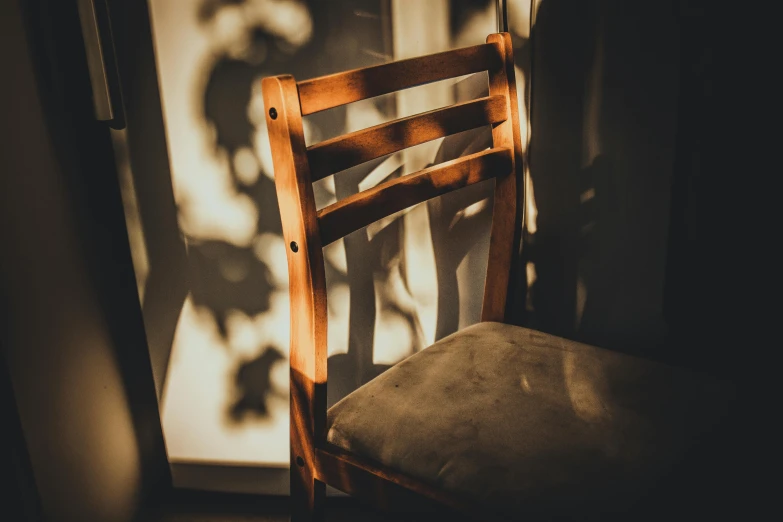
520	420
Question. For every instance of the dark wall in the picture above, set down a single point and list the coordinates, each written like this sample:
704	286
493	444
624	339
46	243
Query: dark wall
604	123
710	262
72	333
637	105
640	181
19	497
636	165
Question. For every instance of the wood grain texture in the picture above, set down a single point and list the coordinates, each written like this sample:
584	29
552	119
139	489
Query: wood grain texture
338	89
352	149
357	211
307	289
505	234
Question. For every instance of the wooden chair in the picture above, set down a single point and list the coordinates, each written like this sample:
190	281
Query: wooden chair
494	419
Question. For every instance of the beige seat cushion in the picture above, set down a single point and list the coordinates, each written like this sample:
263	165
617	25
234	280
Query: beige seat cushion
528	422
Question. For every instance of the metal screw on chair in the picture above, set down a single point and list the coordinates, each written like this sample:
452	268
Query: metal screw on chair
294	247
273	113
300	462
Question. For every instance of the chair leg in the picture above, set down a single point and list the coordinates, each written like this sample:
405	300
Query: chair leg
307	495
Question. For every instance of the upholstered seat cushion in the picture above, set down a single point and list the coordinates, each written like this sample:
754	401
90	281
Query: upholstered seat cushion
528	422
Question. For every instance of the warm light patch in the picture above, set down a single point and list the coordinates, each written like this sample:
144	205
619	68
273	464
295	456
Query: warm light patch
138	244
526	384
196	419
586	383
246	166
334	253
270	249
531	211
469	211
262	149
338	297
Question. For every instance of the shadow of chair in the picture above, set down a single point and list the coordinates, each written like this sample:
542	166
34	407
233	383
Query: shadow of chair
496	421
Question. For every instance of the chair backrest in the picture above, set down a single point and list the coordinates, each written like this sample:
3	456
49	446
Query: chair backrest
306	230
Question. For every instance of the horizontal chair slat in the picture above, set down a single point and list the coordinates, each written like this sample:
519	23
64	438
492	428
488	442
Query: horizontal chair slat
359	210
326	92
352	149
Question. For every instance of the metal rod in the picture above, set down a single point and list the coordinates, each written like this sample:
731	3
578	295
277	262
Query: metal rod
101	63
501	7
